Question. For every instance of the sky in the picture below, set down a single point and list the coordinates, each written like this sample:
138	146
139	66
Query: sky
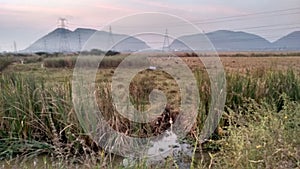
25	21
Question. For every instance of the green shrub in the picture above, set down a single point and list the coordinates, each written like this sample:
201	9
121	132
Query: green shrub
4	62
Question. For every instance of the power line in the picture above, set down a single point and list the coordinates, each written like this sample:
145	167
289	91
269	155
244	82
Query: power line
237	19
64	44
94	26
259	28
265	26
223	39
286	28
223	19
252	14
273	27
230	18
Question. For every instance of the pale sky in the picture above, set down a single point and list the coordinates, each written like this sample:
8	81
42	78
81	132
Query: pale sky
24	21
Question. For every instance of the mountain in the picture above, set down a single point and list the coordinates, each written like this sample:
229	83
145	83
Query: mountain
222	40
103	40
288	42
64	40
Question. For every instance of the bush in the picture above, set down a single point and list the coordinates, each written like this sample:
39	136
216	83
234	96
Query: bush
112	53
60	62
4	62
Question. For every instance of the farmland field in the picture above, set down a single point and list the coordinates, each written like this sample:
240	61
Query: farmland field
259	127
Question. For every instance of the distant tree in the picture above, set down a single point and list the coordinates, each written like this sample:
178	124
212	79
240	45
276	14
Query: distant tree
112	53
96	52
44	54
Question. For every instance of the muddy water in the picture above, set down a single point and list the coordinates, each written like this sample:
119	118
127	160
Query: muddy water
156	156
168	146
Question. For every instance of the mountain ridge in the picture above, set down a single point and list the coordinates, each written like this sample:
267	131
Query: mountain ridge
64	40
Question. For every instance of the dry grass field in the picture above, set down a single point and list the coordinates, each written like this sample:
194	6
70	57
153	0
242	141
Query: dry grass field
231	63
244	64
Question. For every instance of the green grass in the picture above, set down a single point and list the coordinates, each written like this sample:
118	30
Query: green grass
259	128
31	112
262	86
261	137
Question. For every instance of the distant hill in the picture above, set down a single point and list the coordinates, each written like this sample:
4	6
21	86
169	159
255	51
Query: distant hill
288	42
222	40
64	40
102	40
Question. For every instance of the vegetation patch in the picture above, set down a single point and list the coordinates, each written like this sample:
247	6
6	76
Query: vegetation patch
259	127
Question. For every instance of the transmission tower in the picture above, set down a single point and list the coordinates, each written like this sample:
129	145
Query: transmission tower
15	47
79	42
111	39
166	44
64	45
